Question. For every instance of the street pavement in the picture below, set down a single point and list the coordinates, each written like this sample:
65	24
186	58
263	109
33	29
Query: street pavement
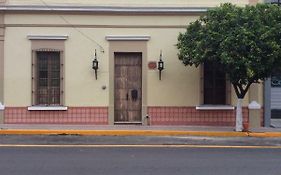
138	150
136	135
118	160
136	140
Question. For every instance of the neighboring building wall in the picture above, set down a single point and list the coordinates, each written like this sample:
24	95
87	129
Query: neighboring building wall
2	35
275	97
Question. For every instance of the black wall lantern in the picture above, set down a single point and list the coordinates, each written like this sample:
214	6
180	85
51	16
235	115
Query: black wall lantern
160	65
96	65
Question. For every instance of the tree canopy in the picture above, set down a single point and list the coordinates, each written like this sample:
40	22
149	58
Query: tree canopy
246	41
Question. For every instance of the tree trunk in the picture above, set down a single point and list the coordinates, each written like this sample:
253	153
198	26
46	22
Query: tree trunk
240	91
239	116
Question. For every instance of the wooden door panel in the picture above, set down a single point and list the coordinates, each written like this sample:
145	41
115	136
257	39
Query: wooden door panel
121	71
123	105
121	83
135	105
133	83
128	78
134	72
121	115
133	115
122	94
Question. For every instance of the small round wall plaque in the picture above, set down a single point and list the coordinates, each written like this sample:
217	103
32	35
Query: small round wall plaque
152	65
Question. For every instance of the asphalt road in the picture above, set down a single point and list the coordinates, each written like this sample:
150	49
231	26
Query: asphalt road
101	160
103	155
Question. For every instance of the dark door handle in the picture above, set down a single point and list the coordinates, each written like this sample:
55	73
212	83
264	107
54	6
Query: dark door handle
127	97
134	94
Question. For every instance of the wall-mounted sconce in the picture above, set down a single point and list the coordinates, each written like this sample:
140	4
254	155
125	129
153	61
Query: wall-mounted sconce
160	65
96	65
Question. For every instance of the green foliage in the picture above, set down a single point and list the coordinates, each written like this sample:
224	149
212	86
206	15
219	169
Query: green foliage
246	41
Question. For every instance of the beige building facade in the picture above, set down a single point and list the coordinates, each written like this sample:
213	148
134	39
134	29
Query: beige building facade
47	49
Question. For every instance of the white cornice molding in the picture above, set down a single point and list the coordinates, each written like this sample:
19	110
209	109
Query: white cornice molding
105	9
47	37
127	37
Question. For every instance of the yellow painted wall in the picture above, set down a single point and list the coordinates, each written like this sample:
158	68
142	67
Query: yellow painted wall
80	86
17	69
180	85
154	20
170	3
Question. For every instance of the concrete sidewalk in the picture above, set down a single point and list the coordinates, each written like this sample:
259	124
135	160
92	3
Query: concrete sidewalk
134	130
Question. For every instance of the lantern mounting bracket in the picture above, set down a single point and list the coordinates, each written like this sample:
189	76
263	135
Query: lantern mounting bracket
95	65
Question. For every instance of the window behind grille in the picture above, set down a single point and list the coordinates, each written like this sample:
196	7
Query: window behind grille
48	79
214	84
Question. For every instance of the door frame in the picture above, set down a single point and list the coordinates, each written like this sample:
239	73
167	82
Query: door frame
127	46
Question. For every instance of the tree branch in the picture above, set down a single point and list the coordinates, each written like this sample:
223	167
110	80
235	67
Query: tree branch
246	89
235	86
239	90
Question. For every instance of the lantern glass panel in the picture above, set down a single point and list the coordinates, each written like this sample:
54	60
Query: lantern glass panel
95	64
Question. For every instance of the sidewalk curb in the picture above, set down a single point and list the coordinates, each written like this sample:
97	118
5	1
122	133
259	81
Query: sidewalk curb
265	134
138	133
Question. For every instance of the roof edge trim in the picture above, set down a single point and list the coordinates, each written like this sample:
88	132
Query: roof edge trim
104	9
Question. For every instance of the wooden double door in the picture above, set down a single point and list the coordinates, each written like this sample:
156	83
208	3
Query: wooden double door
128	87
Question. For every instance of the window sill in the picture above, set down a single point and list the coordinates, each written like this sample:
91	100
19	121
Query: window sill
215	107
47	108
